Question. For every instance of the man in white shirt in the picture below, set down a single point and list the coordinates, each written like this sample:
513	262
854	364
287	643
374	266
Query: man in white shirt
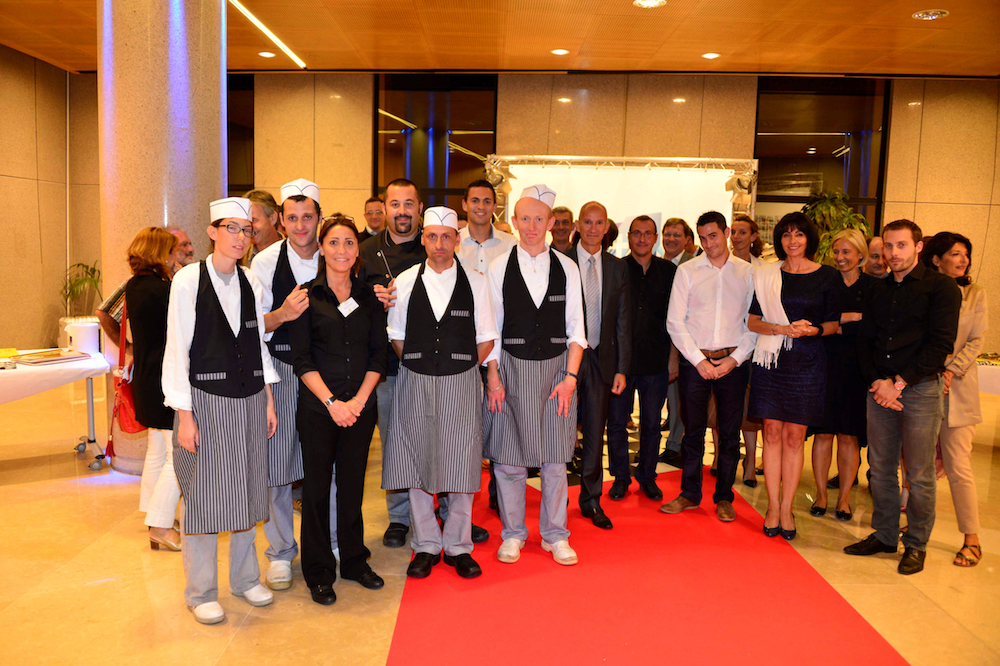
537	367
282	268
265	219
707	322
441	328
675	233
374	218
479	243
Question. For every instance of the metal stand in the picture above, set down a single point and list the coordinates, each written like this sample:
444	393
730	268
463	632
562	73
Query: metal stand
91	438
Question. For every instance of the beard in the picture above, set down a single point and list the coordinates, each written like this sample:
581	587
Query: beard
403	224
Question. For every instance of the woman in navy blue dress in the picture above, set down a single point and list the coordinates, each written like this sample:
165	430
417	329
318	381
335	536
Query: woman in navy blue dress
795	305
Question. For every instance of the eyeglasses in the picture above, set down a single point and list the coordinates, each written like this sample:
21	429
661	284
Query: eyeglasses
642	234
236	229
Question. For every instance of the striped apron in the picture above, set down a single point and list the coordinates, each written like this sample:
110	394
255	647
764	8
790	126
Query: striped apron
284	455
435	439
529	431
225	484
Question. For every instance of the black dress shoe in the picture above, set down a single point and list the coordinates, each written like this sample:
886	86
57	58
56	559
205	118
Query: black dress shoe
752	481
714	472
618	489
598	518
772	531
912	562
869	546
465	566
651	490
323	594
787	535
817	510
369	580
420	566
670	458
395	535
844	515
479	534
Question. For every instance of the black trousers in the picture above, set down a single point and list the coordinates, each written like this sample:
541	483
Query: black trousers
695	394
594	398
323	444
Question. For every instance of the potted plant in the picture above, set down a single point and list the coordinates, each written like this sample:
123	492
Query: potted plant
830	213
82	289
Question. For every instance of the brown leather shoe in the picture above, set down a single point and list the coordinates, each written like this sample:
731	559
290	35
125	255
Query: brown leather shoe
678	505
725	511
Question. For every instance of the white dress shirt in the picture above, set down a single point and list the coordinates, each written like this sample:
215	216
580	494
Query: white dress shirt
709	306
439	288
266	263
584	265
180	327
478	256
535	272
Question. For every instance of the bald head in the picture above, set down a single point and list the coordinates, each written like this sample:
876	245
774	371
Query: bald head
592	225
593	204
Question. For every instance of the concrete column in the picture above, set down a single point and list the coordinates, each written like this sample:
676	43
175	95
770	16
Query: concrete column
162	112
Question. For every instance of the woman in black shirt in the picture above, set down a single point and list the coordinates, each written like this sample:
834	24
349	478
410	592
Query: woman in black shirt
147	294
339	354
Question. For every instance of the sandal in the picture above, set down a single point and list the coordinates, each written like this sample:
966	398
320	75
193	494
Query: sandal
962	560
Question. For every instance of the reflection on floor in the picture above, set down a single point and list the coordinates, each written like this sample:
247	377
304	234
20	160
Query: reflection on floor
82	586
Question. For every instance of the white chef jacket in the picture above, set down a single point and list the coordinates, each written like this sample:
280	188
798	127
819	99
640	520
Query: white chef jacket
266	263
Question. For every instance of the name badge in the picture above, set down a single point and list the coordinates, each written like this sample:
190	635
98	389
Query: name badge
348	306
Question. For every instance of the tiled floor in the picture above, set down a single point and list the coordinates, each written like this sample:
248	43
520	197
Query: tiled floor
82	586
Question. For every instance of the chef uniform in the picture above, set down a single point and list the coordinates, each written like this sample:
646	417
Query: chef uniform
216	366
280	269
545	297
435	438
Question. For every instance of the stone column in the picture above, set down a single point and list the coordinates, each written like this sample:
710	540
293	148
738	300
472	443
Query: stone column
162	112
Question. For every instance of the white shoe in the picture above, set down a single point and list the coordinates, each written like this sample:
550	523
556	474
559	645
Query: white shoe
561	552
279	575
510	550
209	612
258	595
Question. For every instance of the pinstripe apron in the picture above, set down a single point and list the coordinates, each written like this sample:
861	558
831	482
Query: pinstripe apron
435	439
529	431
225	484
284	455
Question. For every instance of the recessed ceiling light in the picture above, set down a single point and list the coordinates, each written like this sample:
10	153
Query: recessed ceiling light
649	4
392	141
559	51
709	56
930	14
914	104
564	100
811	150
679	100
266	54
270	35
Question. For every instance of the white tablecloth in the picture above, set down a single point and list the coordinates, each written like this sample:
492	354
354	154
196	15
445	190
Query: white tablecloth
25	380
989	379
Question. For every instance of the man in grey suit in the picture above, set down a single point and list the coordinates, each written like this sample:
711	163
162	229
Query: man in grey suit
609	339
675	234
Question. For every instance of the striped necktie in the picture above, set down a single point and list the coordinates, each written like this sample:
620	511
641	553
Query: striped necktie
593	305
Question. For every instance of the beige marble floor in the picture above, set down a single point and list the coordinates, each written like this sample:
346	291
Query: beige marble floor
82	586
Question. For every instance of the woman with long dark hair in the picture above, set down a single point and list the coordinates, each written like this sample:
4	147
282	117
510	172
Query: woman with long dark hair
339	350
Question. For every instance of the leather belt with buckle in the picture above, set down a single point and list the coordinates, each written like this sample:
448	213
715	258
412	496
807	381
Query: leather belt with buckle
716	354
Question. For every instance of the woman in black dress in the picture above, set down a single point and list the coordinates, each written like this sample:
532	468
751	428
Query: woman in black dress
844	415
339	353
147	294
795	304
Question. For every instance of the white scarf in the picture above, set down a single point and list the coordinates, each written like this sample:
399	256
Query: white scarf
767	288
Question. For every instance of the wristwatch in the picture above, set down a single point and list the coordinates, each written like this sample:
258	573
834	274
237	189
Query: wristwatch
899	386
329	401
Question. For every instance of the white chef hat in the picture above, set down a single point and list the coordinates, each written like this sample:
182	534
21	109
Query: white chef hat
540	192
237	207
300	186
441	215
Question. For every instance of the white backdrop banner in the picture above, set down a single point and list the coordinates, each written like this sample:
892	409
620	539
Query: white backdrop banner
660	192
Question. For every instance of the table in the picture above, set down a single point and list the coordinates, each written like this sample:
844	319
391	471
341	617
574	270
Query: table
26	380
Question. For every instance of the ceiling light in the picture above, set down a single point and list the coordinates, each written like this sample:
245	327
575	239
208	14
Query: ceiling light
811	150
679	100
914	104
709	56
564	100
270	35
649	4
266	54
559	52
930	14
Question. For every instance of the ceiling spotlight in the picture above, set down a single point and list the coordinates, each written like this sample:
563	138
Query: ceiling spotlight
679	100
811	150
559	52
914	104
709	56
649	4
266	54
564	100
930	14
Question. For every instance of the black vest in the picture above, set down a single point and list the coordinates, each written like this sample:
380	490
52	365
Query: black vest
281	285
221	364
445	347
532	333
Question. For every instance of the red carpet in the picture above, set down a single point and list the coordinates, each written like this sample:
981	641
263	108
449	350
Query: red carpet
656	587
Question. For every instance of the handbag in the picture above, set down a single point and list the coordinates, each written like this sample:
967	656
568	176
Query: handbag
124	409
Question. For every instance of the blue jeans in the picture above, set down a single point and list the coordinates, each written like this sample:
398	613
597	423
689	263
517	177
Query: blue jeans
696	392
913	433
652	393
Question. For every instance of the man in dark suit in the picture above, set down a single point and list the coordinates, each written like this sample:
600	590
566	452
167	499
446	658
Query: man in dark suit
609	338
